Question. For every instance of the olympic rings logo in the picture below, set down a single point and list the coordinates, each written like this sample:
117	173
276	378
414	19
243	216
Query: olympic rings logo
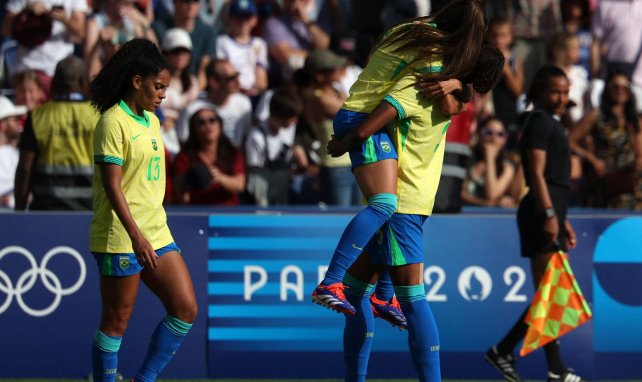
49	279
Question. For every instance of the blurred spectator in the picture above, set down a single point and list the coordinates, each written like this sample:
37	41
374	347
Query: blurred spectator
233	107
396	10
489	178
42	48
511	86
534	22
269	150
56	150
247	53
183	85
614	157
185	16
117	22
617	39
576	17
564	51
31	88
321	102
290	37
209	170
10	130
368	27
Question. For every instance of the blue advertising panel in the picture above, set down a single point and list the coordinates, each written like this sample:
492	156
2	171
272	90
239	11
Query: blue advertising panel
50	302
264	267
254	272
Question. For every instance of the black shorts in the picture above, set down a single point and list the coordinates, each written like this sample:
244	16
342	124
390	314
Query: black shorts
530	222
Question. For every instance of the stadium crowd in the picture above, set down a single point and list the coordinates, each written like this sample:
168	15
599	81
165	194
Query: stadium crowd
255	85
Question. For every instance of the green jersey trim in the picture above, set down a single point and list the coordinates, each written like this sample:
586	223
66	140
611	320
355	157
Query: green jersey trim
430	69
144	120
108	159
401	113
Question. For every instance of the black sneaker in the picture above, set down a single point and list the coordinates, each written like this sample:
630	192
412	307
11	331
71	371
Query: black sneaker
504	363
568	376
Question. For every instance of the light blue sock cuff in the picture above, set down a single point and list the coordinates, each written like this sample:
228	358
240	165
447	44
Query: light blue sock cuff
357	287
386	203
107	343
410	293
177	327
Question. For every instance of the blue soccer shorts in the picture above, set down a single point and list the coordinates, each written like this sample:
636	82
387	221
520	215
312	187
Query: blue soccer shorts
376	148
400	241
125	264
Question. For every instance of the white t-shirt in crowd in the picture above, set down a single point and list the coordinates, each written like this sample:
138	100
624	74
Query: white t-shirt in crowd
278	145
244	57
46	56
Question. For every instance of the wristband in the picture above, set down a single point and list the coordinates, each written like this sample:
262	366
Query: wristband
550	212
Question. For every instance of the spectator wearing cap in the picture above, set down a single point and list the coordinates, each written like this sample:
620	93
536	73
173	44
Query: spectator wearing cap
117	22
209	170
321	102
247	53
46	31
56	150
186	17
183	85
290	37
234	107
10	130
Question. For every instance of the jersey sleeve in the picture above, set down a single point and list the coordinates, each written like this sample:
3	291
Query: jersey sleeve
109	141
405	98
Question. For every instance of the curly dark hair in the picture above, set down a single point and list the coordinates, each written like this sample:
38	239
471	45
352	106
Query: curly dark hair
488	70
136	57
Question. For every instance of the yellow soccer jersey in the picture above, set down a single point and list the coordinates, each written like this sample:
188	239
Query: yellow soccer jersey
383	70
135	143
419	136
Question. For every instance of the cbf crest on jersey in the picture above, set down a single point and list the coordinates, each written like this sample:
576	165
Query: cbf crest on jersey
385	146
154	144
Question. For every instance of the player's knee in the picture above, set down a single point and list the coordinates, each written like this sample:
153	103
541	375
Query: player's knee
186	312
115	320
385	203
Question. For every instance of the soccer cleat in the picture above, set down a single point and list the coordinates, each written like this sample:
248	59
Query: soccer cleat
389	311
504	363
332	297
568	376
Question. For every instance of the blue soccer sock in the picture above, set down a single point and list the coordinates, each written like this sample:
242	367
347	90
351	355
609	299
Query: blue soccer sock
384	289
423	336
104	357
165	342
358	232
359	329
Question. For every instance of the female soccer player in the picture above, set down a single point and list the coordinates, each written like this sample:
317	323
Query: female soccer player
129	236
441	46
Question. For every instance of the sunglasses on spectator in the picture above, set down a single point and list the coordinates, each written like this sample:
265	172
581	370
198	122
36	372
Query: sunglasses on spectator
229	78
207	121
189	1
490	133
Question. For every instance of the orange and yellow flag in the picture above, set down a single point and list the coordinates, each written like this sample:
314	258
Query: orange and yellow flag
558	306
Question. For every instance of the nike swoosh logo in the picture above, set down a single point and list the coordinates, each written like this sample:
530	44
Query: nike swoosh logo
355	247
135	137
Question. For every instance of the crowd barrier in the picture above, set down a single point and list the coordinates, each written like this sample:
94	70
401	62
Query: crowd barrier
254	271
